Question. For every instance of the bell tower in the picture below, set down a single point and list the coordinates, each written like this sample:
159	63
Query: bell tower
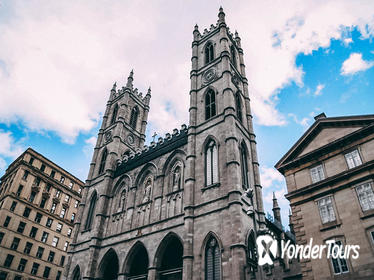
222	179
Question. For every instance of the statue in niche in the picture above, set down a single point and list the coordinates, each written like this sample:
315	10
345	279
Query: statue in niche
177	178
147	190
122	201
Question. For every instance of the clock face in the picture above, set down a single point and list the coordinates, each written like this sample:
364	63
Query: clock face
130	139
210	75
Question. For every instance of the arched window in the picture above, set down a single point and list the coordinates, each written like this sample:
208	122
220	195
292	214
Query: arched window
238	107
210	104
122	200
244	164
103	160
209	53
211	163
77	273
134	117
233	55
114	114
91	210
212	260
252	257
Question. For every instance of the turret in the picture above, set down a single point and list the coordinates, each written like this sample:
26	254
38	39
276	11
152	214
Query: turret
276	209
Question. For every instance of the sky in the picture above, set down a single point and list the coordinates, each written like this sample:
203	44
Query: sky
59	60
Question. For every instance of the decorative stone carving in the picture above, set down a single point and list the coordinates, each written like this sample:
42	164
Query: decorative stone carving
108	136
147	190
209	75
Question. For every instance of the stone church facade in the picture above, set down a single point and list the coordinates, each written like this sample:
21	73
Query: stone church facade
189	206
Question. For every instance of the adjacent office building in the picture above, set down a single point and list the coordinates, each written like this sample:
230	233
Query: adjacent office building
38	205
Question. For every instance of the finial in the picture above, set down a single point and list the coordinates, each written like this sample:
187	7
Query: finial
130	79
221	15
196	27
114	86
220	9
236	33
275	202
274	195
149	90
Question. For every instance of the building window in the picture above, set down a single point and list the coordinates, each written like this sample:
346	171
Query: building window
13	206
3	275
72	217
317	173
25	175
62	179
51	256
210	104
53	208
103	160
34	269
53	173
19	191
43	202
42	168
76	204
31	160
45	237
209	52
244	164
58	193
114	115
8	261
39	253
7	221
339	264
58	276
91	210
326	210
71	184
211	163
62	213
38	217
353	159
46	272
37	181
48	187
22	264
49	222
17	277
212	260
79	190
59	227
33	232
238	107
27	212
32	196
28	248
134	117
21	227
67	198
366	196
55	241
233	56
66	245
62	260
15	243
68	233
1	236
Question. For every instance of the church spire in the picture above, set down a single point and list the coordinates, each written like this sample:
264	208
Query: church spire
276	209
130	79
221	15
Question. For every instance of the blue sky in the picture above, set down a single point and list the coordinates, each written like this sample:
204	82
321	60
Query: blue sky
58	61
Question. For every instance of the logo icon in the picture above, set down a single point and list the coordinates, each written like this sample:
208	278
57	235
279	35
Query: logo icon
267	248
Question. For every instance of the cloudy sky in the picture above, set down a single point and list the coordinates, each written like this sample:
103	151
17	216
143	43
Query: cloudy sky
59	59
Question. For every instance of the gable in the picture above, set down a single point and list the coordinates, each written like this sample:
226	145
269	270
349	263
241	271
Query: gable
326	136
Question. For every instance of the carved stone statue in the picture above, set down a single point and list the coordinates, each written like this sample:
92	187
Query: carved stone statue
177	178
147	190
123	200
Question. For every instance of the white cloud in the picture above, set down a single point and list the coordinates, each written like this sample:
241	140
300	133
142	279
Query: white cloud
347	41
89	146
3	165
270	177
304	122
355	64
319	89
58	59
9	147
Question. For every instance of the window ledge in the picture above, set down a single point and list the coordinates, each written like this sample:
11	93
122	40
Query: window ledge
330	225
174	192
215	185
367	214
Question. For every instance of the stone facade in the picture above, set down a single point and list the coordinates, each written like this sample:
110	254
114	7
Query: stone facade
329	176
186	206
38	205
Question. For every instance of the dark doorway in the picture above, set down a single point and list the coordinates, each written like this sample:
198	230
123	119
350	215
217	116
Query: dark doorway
139	264
109	266
171	262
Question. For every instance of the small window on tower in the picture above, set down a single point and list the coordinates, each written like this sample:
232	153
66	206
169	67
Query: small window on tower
238	106
103	160
210	104
233	55
114	115
134	117
209	52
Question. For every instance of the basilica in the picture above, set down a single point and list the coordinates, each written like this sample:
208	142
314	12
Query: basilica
189	205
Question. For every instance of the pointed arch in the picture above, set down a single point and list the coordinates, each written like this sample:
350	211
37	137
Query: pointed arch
210	104
238	105
109	266
251	251
169	257
114	114
173	170
91	210
120	194
137	262
211	163
244	165
77	273
104	156
209	52
134	117
233	56
212	250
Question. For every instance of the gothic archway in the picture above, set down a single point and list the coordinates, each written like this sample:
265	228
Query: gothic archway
109	266
137	263
169	258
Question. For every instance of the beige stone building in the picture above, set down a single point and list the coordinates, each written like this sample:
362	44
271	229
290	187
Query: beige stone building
329	174
38	206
